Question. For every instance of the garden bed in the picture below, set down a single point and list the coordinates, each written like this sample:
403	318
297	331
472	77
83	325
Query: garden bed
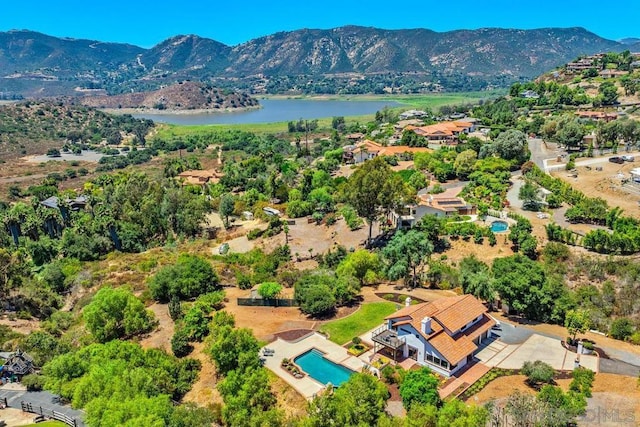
291	367
483	381
398	298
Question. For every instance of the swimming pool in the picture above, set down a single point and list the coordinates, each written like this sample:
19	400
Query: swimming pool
322	369
499	226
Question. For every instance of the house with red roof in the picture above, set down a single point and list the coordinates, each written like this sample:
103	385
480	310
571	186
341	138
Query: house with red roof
442	335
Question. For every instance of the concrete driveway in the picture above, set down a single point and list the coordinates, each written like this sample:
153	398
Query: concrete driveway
535	347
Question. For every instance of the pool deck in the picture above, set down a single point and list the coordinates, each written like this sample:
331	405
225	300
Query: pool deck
307	386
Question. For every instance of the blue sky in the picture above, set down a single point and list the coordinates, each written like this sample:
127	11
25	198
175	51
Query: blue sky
236	21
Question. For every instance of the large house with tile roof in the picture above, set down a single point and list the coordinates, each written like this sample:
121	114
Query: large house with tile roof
368	149
442	335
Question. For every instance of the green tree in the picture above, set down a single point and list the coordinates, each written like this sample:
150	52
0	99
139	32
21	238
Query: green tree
522	284
233	348
374	188
608	92
477	279
180	343
358	402
189	277
529	195
570	134
405	253
455	413
361	264
509	145
269	290
464	163
117	313
621	328
419	387
227	205
577	322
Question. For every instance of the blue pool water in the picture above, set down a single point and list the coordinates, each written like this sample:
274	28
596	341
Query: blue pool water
321	369
499	226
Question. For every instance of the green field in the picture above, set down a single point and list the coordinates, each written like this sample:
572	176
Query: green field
366	318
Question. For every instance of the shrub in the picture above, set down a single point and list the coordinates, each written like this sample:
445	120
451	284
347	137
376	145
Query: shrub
180	345
33	382
621	328
254	234
538	372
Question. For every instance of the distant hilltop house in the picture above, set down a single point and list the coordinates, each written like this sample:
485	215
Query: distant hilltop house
354	137
445	132
413	114
597	115
16	364
74	204
529	94
368	149
443	335
609	74
440	205
200	177
582	64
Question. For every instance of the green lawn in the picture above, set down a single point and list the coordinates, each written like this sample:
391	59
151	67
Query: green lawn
367	317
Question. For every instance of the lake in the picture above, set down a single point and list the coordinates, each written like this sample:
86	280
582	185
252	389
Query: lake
277	110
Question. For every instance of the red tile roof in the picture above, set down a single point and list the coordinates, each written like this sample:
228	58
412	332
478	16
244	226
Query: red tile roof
448	316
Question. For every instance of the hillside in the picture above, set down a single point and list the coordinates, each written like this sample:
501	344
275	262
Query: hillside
34	127
181	96
35	64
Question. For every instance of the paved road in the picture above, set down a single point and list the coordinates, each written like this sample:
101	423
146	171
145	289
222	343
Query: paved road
38	399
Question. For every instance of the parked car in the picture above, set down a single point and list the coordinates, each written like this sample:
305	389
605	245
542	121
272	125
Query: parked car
616	159
628	158
224	248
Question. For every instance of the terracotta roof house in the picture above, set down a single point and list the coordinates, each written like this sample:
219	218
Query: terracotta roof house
368	149
440	205
596	115
446	132
442	335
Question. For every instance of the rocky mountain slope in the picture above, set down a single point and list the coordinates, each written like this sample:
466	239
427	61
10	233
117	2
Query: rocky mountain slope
35	64
180	96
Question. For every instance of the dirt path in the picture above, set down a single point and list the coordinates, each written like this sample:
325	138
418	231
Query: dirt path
161	337
204	390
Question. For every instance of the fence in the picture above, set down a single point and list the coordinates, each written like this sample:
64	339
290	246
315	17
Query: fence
49	413
271	302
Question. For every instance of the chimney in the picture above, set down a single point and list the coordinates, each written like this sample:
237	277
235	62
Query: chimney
407	302
426	325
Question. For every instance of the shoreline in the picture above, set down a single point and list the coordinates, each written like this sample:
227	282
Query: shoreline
174	112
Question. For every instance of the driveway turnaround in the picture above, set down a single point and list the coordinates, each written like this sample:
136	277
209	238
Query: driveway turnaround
536	347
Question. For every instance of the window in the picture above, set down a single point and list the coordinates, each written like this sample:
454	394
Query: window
437	361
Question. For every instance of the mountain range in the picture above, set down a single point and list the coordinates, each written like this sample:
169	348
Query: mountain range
35	64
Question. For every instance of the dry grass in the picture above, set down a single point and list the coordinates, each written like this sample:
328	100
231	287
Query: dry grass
606	185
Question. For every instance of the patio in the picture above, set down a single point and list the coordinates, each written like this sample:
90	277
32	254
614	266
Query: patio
307	386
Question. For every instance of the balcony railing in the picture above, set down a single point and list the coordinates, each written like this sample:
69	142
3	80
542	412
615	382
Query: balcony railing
388	338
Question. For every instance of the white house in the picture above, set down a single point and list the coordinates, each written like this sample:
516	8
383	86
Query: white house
442	335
